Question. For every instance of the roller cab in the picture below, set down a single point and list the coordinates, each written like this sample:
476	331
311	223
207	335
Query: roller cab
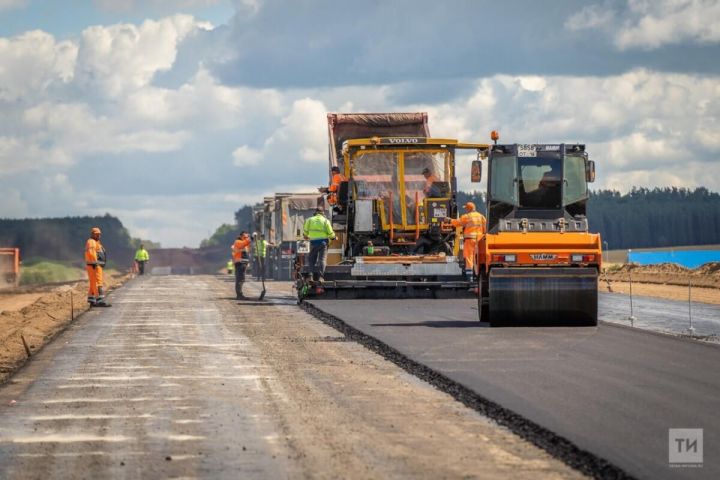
538	264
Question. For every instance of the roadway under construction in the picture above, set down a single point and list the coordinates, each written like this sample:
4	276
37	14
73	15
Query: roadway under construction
181	380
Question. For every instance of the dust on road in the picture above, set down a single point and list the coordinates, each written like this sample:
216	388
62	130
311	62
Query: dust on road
178	379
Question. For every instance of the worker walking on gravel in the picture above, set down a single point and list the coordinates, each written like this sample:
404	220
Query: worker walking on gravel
141	257
474	225
241	256
95	259
319	231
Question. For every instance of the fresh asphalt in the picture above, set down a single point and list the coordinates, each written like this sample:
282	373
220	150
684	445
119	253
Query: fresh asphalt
611	390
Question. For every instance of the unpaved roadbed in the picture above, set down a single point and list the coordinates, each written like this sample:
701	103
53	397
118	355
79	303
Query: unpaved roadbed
237	390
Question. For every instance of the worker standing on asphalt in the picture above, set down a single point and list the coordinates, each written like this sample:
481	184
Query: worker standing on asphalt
259	250
332	190
473	224
319	231
95	259
241	256
230	266
141	257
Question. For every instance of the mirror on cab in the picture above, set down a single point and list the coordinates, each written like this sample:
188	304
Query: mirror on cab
476	171
589	171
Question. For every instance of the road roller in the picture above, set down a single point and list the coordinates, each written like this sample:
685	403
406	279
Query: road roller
538	263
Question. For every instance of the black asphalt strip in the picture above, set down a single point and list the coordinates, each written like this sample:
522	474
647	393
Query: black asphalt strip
555	445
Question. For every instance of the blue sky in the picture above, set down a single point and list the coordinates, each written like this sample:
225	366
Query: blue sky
172	114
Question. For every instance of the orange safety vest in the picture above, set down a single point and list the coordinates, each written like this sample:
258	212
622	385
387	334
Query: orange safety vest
92	248
240	250
473	223
337	179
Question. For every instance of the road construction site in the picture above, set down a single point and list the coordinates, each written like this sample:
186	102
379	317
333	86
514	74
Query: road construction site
178	379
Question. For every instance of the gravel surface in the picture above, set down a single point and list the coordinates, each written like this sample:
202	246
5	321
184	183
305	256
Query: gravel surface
180	380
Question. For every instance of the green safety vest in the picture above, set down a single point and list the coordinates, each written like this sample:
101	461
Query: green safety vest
142	255
260	248
318	227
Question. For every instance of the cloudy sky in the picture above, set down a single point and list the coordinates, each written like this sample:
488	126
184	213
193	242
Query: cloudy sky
171	114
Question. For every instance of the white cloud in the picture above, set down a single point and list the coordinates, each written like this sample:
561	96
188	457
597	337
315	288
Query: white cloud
12	4
302	134
652	24
245	156
121	58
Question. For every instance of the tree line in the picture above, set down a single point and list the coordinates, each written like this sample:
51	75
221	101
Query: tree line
63	239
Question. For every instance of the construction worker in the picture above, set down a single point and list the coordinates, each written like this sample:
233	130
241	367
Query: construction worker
319	231
474	225
259	251
230	266
241	256
141	257
332	190
430	189
95	259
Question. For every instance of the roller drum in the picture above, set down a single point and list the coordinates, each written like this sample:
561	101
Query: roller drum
543	296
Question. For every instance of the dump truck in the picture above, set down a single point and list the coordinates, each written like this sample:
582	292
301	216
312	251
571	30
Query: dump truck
9	267
392	238
282	222
538	262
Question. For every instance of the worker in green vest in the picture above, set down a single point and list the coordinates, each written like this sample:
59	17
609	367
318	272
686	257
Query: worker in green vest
259	251
141	257
319	231
230	267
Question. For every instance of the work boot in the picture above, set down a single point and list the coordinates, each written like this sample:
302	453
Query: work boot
103	303
91	301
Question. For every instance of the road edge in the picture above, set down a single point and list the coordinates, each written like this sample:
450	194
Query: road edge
552	443
47	341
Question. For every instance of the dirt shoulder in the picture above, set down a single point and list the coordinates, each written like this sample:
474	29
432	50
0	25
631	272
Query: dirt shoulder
37	315
667	280
347	412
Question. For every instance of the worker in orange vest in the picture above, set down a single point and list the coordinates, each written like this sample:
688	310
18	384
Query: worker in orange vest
95	259
474	225
241	256
332	190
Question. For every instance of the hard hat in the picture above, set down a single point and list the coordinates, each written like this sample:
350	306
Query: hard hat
469	206
95	230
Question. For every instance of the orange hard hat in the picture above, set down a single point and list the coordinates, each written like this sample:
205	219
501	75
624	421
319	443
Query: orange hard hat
95	230
469	206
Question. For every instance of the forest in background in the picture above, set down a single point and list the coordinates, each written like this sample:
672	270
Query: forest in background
63	239
641	218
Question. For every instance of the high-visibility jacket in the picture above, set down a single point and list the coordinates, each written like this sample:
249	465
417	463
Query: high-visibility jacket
260	248
240	250
230	266
318	227
94	252
337	179
473	224
142	255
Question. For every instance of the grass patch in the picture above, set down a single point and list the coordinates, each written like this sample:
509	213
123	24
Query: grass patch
47	272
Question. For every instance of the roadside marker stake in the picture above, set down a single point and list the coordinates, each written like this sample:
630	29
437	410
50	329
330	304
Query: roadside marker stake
691	329
631	317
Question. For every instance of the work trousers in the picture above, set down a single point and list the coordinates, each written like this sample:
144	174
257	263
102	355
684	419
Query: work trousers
240	268
95	278
141	266
469	245
317	259
258	267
